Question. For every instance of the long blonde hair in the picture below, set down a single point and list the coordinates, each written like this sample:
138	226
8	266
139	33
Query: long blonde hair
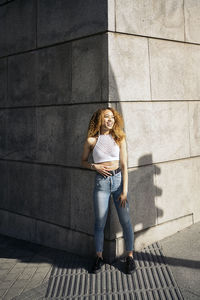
117	131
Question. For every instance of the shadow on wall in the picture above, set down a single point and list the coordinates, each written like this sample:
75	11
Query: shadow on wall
142	189
143	194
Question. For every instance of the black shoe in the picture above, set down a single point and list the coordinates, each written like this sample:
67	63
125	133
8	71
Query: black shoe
97	264
130	265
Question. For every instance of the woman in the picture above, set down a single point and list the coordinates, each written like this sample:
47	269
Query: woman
106	141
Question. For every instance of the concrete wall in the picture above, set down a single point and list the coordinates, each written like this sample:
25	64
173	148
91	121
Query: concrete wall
53	76
59	62
154	74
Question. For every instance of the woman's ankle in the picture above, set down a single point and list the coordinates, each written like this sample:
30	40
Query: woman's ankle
130	253
99	254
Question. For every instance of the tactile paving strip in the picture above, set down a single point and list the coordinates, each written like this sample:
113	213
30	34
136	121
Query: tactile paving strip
71	279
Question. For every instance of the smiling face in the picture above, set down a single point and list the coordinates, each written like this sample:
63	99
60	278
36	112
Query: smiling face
108	120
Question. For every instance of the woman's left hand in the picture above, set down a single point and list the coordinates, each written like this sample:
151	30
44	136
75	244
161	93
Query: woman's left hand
123	198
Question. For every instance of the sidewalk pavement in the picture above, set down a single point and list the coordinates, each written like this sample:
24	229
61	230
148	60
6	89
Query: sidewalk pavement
169	269
182	254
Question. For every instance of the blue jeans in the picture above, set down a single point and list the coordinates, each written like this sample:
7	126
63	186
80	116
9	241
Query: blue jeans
104	187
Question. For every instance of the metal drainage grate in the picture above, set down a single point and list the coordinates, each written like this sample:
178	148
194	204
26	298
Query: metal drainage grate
71	279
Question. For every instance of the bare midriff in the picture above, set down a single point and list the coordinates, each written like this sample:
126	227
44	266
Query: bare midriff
112	164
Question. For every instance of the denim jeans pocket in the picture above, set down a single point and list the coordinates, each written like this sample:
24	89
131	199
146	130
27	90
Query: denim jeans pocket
101	182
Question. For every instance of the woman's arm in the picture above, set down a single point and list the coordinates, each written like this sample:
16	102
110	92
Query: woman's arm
123	163
85	155
102	169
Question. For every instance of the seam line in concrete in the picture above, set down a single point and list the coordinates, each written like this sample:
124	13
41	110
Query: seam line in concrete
115	8
164	162
92	35
87	170
77	231
150	83
154	37
54	44
6	2
166	222
51	105
44	221
97	102
184	20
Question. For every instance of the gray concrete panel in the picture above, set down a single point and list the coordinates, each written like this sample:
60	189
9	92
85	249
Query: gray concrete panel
53	195
176	181
22	79
54	75
37	135
3	133
41	192
81	195
62	238
63	20
167	67
17	26
53	134
22	188
89	69
129	77
194	125
111	15
3	184
40	77
21	134
157	131
61	133
192	21
156	18
3	82
195	183
17	226
175	70
191	74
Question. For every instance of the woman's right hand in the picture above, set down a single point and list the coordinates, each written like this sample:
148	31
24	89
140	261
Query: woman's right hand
102	169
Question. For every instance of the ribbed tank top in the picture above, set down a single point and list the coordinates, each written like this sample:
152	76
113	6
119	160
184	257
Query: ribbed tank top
106	149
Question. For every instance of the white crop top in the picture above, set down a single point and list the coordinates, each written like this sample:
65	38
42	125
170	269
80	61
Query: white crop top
106	149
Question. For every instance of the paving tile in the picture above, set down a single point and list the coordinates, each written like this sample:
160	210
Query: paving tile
2	292
10	277
3	273
6	284
28	273
12	293
20	284
54	274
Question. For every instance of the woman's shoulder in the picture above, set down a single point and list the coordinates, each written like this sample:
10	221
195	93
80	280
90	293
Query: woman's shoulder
122	142
91	141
